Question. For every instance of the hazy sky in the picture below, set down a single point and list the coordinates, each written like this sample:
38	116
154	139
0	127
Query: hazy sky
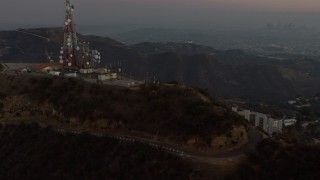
202	13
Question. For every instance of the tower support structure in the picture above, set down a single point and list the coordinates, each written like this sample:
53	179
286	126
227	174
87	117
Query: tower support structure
73	53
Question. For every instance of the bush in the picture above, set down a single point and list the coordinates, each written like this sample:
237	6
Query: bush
45	83
1	106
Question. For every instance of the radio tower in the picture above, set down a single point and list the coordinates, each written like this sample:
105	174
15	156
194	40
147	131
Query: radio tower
76	55
70	49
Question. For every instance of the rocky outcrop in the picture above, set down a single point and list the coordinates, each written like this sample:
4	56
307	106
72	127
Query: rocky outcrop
234	139
22	107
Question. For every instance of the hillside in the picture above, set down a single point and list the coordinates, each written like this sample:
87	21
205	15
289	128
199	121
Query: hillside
34	45
179	48
276	160
226	74
31	152
164	112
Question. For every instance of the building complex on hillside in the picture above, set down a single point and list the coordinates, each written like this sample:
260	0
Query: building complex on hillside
262	121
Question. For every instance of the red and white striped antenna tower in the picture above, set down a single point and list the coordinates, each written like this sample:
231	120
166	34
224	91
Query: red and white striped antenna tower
74	54
70	50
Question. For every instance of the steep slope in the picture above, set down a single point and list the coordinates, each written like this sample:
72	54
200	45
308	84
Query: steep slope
32	152
25	46
275	160
167	113
247	80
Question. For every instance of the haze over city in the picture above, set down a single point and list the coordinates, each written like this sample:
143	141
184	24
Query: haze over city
160	89
165	13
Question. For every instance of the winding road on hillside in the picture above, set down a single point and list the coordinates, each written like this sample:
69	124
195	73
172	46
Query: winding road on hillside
224	158
32	34
228	159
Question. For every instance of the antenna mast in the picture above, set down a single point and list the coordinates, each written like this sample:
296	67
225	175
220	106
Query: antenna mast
70	49
74	54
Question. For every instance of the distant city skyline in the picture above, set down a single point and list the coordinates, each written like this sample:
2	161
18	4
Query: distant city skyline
164	13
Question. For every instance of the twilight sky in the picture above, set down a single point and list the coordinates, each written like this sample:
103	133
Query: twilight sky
162	13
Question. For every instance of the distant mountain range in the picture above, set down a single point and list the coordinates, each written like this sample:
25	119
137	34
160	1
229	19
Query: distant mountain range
228	74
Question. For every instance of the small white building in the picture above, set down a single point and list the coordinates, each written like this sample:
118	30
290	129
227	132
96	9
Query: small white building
109	76
234	109
261	121
71	75
292	102
131	84
83	71
244	113
100	70
55	73
274	125
114	75
47	69
247	114
104	77
289	122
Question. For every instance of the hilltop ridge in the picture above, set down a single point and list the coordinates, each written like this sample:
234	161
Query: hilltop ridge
227	74
168	113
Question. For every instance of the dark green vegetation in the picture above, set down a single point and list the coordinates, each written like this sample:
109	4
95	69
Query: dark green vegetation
313	130
167	111
1	67
28	151
308	107
226	74
274	160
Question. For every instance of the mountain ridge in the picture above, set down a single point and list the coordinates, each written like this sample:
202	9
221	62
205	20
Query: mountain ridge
227	74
